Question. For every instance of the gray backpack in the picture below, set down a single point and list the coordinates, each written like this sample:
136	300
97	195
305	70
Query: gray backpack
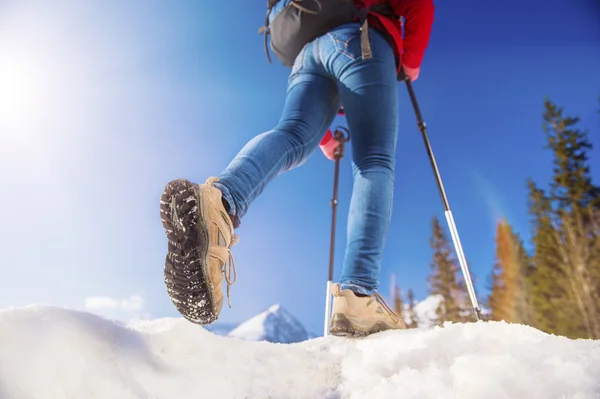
294	23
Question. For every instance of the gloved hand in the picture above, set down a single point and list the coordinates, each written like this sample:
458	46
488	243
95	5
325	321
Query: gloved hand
407	72
328	145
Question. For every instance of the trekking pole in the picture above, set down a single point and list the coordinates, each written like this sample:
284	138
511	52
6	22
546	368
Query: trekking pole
338	154
449	218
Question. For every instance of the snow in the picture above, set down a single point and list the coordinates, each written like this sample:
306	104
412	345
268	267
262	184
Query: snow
51	352
425	310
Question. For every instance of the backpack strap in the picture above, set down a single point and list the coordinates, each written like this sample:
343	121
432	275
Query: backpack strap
365	44
265	28
363	13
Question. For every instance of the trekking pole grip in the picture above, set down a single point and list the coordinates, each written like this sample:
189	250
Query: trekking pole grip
342	136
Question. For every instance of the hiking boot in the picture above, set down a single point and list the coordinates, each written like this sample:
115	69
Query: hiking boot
360	316
200	235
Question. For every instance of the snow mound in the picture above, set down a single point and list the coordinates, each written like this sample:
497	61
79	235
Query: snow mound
50	352
273	325
425	310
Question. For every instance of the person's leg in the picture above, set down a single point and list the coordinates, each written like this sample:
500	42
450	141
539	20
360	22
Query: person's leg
311	104
368	92
195	216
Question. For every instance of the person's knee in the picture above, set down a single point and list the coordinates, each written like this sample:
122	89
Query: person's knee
300	135
376	162
297	130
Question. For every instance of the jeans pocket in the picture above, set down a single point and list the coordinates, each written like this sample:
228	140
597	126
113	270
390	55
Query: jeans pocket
347	44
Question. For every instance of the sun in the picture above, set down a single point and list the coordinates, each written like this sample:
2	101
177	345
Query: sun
18	94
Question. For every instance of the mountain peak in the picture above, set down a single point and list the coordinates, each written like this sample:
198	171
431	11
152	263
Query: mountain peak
274	308
274	325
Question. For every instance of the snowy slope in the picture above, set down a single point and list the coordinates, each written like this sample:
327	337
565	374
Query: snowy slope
49	352
273	325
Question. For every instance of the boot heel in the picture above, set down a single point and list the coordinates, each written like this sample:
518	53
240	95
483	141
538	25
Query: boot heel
342	327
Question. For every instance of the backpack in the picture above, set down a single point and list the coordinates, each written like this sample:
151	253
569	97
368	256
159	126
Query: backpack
294	23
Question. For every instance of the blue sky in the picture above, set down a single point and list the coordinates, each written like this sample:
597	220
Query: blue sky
101	105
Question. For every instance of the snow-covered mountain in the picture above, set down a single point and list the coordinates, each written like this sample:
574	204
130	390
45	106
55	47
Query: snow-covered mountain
50	352
275	325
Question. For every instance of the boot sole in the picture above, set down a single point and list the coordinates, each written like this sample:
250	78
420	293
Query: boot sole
186	273
342	327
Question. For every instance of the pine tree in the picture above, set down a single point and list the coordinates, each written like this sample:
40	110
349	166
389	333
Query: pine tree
398	306
509	299
501	300
565	280
443	279
551	299
571	186
412	314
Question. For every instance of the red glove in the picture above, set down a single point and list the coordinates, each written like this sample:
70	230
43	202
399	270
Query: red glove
328	145
412	73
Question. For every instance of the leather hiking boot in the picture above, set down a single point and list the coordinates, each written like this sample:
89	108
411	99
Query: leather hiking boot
357	316
200	235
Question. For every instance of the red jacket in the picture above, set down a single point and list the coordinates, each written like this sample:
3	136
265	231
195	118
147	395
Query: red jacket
418	17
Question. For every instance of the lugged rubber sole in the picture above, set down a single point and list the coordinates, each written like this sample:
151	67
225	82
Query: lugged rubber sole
342	327
186	271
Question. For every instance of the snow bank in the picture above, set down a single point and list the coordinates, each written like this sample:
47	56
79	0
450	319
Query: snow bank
49	352
425	310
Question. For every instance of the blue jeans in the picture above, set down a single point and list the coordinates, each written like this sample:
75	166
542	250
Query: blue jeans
327	72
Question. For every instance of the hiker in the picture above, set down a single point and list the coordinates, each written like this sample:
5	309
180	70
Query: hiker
355	65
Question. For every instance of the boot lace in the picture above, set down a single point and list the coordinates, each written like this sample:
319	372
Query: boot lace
229	266
387	307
